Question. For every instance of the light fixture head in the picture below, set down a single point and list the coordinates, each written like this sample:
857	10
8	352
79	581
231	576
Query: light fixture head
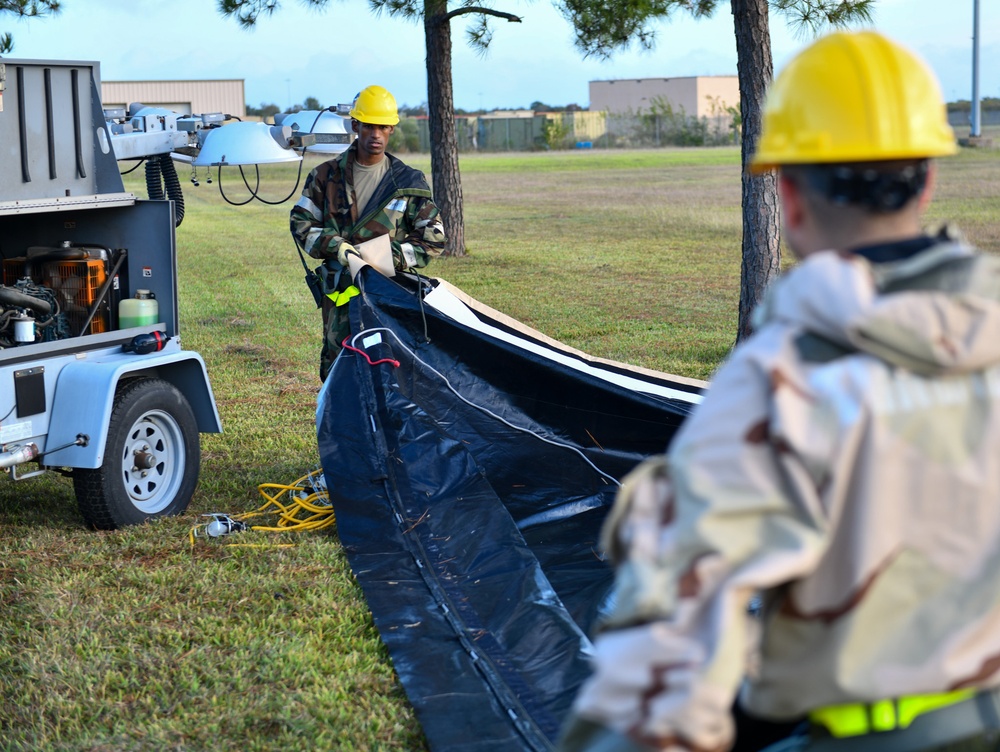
245	143
331	131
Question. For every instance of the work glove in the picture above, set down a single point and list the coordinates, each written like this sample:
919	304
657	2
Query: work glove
409	255
343	250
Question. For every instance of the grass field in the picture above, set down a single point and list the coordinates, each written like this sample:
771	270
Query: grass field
134	640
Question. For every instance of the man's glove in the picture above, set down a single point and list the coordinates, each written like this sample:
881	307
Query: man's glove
410	255
344	249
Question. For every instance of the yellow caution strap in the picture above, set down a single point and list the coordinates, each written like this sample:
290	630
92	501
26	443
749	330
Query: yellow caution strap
858	718
343	298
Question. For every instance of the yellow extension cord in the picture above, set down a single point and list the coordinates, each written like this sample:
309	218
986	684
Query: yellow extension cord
306	506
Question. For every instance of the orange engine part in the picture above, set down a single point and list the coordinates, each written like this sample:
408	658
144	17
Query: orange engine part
76	284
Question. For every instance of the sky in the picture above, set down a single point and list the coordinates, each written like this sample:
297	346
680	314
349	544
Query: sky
331	54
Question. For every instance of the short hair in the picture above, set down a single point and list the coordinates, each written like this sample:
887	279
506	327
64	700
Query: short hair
876	187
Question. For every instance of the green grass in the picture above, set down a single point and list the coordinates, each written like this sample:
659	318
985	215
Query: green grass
132	640
596	159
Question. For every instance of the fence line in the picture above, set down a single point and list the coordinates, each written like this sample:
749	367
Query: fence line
585	130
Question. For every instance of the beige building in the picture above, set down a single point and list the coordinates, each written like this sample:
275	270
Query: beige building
499	114
697	96
184	97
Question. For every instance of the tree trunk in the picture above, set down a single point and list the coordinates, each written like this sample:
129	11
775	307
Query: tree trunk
447	182
761	221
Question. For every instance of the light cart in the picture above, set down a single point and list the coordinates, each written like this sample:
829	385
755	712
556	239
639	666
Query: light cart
118	408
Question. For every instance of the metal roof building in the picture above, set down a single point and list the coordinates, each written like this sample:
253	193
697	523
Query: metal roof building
184	97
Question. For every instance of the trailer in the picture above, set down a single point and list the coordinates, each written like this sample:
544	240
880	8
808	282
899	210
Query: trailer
94	381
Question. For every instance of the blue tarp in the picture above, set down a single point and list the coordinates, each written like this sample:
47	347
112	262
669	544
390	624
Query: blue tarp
471	462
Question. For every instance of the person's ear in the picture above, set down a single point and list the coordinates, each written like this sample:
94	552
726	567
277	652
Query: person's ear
796	227
355	126
928	193
792	202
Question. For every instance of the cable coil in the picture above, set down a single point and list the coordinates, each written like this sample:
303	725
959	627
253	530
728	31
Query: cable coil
297	507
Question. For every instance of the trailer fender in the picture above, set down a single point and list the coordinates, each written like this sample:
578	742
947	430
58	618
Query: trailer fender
85	393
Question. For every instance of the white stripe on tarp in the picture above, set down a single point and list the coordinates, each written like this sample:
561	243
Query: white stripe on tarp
444	301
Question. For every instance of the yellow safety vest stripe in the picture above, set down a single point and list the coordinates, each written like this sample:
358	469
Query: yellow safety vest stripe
858	718
342	298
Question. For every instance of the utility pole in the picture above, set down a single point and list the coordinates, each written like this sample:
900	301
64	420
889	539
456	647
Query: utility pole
974	120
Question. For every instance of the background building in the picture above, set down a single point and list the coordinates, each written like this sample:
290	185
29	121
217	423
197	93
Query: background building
184	97
695	96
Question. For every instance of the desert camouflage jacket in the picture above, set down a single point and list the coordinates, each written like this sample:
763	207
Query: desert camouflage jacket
327	214
846	465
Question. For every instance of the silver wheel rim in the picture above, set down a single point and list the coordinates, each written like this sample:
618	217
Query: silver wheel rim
153	461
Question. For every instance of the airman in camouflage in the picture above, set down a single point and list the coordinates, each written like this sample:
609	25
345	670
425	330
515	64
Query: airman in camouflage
844	467
362	194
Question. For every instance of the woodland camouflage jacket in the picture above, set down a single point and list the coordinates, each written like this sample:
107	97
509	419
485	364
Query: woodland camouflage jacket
327	214
846	464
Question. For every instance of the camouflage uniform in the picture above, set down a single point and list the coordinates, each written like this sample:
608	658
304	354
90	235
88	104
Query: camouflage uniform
845	465
327	215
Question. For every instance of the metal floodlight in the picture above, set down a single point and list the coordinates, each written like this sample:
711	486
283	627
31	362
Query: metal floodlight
246	143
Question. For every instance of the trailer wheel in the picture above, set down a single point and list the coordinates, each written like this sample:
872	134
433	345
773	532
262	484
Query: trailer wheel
151	461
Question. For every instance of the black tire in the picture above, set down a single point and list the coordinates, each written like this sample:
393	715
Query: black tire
151	461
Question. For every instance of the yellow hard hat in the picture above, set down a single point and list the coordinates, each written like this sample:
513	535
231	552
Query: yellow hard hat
376	106
853	97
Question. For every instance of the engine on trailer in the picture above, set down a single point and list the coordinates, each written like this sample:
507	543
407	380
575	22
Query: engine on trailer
53	293
30	313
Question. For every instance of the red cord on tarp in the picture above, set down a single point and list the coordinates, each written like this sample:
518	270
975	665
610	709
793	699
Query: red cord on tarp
364	355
